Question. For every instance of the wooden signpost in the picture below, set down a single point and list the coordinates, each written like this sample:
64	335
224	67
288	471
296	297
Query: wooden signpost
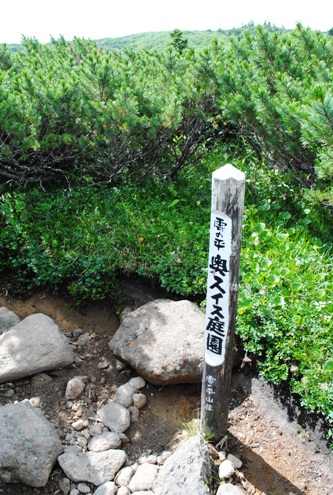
228	188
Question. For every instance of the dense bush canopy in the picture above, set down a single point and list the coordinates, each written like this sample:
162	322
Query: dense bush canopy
73	109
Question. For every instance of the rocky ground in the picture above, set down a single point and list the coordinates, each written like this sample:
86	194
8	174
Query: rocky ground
279	456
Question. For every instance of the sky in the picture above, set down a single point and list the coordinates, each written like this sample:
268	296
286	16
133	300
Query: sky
96	19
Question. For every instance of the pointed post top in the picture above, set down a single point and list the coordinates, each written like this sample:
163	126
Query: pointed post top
228	171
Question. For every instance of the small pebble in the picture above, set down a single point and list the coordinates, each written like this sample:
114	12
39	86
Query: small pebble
83	339
226	469
65	486
103	364
80	424
139	400
137	382
83	488
120	366
236	462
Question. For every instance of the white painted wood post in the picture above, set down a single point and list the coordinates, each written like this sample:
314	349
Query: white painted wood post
228	189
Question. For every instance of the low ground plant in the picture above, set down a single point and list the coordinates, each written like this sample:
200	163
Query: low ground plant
81	239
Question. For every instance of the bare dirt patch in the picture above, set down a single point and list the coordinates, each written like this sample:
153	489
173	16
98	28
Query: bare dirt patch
279	456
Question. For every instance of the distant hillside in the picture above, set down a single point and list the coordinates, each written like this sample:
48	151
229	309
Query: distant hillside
161	40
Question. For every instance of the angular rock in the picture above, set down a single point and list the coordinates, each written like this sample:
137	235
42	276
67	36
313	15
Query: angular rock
186	471
83	339
144	478
7	319
29	445
163	341
105	441
65	486
115	416
74	388
35	344
229	489
92	467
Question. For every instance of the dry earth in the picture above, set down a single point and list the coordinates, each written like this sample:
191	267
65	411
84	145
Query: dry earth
279	456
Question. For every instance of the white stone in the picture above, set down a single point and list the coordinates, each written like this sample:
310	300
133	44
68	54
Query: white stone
103	364
144	478
236	462
108	488
115	416
229	489
105	441
226	469
83	488
80	424
139	400
125	394
123	490
137	382
124	476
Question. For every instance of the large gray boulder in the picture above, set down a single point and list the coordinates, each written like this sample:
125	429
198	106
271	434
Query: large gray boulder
29	445
163	341
35	344
186	471
7	319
